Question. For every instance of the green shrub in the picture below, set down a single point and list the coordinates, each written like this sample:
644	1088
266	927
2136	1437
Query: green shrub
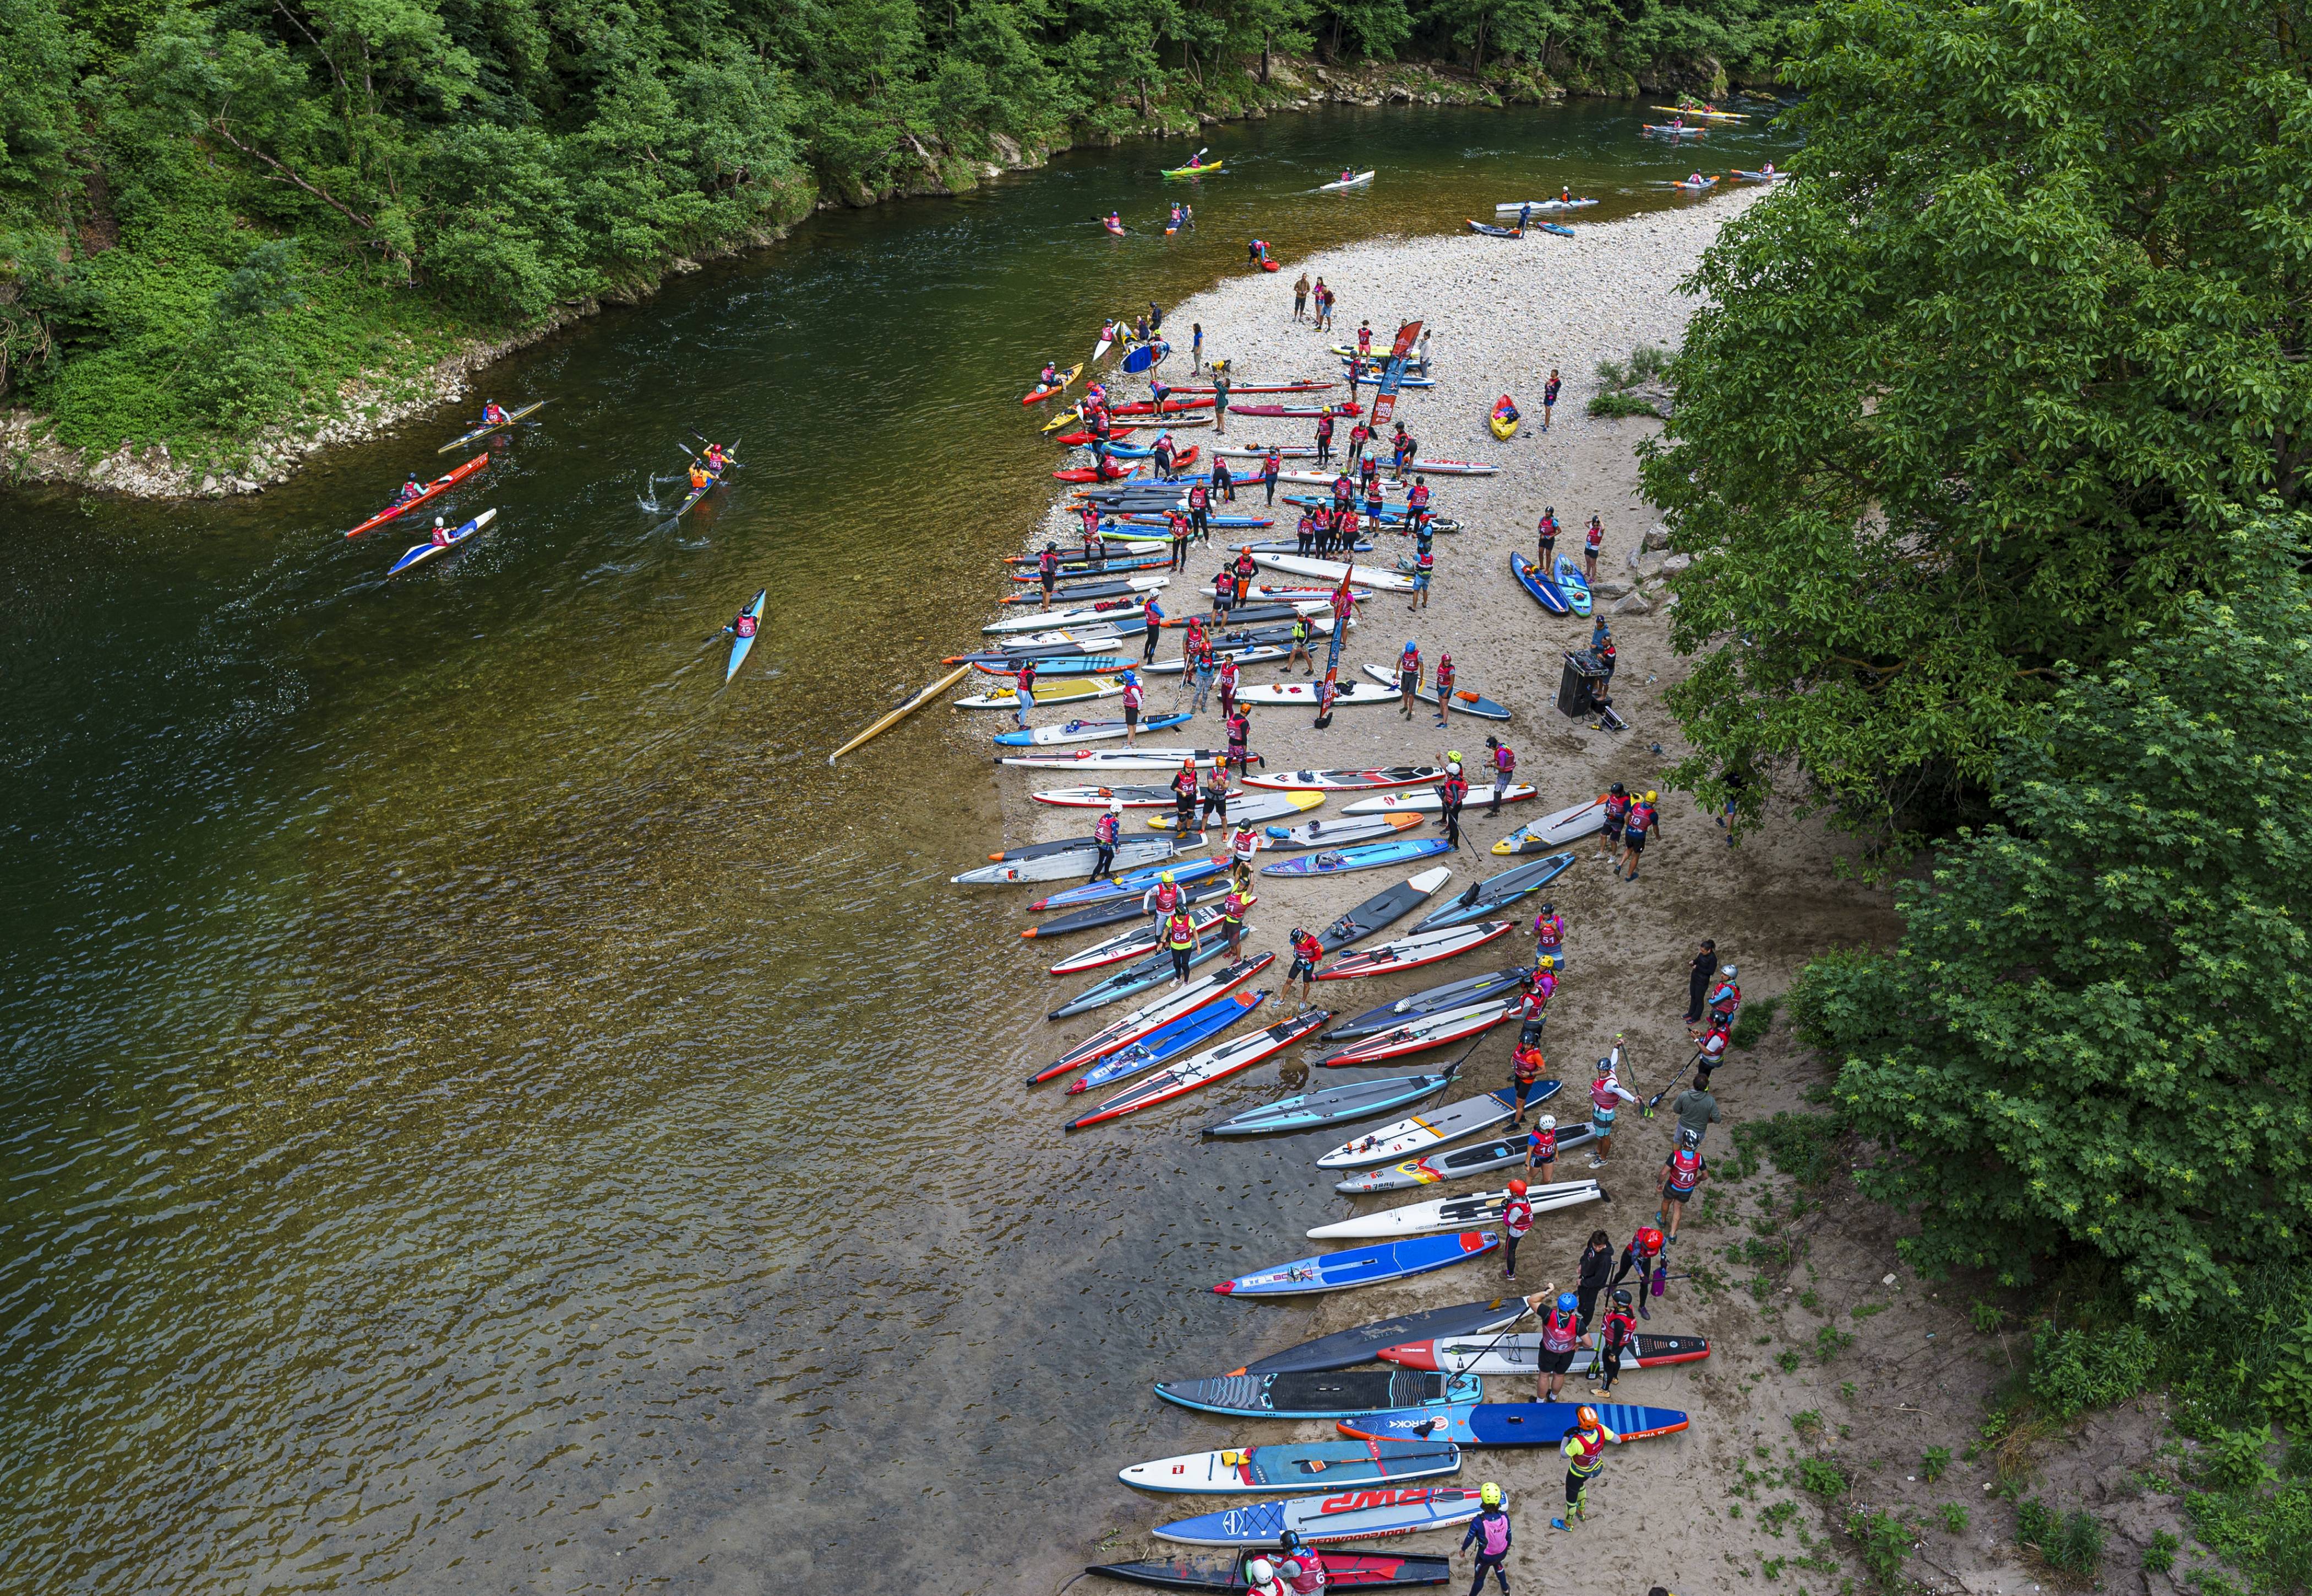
1954	1517
1804	1146
1789	1360
1934	1463
1830	1340
2072	1541
1986	1317
2234	1459
1821	1477
2160	1556
1809	1423
2072	1370
1883	1542
1611	403
2034	1522
1756	1018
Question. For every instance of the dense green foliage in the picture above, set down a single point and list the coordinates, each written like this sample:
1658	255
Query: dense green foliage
2091	1034
1982	385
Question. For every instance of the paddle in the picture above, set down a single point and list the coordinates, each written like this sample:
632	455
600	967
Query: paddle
728	463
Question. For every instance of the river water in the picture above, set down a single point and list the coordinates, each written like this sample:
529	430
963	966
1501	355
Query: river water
484	1106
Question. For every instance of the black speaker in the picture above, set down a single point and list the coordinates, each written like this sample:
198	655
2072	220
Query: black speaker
1577	688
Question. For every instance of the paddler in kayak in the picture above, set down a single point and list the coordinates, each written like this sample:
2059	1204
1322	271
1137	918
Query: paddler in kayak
742	625
701	478
715	458
441	537
493	413
1049	377
410	490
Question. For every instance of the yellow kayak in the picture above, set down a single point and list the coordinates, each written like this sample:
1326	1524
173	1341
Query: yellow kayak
1688	110
1190	171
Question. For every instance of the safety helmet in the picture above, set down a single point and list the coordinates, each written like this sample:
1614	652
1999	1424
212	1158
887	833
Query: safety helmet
1290	1541
1116	805
1549	510
437	521
1547	962
1490	1493
1548	1122
1650	1239
1452	756
1166	877
1728	972
1409	648
1516	1188
1651	797
1549	907
1606	1065
1567	1301
1454	768
1621	1299
1688	1137
1258	1571
1051	548
1188	764
1587	1417
1617	789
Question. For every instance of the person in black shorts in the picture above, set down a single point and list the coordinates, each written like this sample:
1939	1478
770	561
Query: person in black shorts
1617	810
1306	953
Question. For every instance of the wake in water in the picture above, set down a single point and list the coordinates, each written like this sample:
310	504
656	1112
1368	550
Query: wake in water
649	499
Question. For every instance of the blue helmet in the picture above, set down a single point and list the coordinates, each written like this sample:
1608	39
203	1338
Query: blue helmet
1567	1301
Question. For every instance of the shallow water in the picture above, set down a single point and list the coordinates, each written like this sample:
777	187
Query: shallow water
485	1104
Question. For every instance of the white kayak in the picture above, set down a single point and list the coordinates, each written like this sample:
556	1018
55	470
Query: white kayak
1560	826
1403	1139
1457	1213
1303	695
1359	181
1105	614
1429	803
1049	690
1260	807
1116	759
1510	208
1131	853
1330	571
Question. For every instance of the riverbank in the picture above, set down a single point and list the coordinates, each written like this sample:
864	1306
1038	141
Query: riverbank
1682	1511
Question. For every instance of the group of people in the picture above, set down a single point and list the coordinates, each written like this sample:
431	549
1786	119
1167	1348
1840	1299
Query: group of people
1320	297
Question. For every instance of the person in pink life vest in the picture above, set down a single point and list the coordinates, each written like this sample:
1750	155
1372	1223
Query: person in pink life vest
1133	696
1298	1564
1160	901
1541	1149
1308	953
1533	1007
1684	1172
1489	1534
1517	1219
1561	1338
1606	1095
1504	763
1104	833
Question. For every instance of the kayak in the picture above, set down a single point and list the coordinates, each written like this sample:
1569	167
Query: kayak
1561	231
1670	131
1358	181
1258	654
1079	861
1510	1424
1689	110
1335	834
1452	994
1036	395
1168	1041
1344	1516
1504	417
1464	703
1149	407
1328	1394
1411	953
1217	1063
1708	182
1545	592
1191	171
1458	1164
487	427
1457	1213
1347	1348
1383	908
1149	1016
1117	759
1334	1105
1303	695
1111	472
1261	807
1521	1355
1376	1265
1117	910
1128	945
1132	885
1371	856
1305	385
1510	208
1414	1036
1496	892
1047	690
1429	803
1302	412
1399	775
1085	731
1421	1132
1359	1570
1573	585
440	485
741	646
1492	232
425	551
1331	572
1761	177
1297	1466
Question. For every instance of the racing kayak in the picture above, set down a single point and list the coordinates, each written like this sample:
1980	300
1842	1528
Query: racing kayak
1572	585
1170	1042
1330	571
1376	1265
1334	1105
1496	892
1456	1213
1512	206
440	485
1132	885
1321	1520
1296	1466
1329	1394
1383	908
713	481
1358	181
1099	797
1038	395
1149	1016
487	427
1520	1354
1560	826
1049	690
1217	1063
1085	731
741	646
1401	775
425	551
1370	856
1116	911
1429	803
1408	1137
1304	386
1343	1571
1060	866
1252	811
1411	953
1696	110
1453	994
1459	1165
1277	412
1464	703
1288	695
1492	232
1335	834
1510	1424
1134	944
1415	1036
1133	980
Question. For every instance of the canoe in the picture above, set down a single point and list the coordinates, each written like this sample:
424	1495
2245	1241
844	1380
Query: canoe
1116	911
1408	1138
1383	907
1413	951
1492	232
1116	759
1545	592
1503	420
1572	584
1132	885
1482	899
1328	1394
741	647
1333	1106
1415	1036
1429	803
1402	775
1048	690
1066	863
425	551
1464	703
1344	1350
1190	171
1083	731
1357	1571
1520	1354
1259	809
1321	1520
1215	1063
1297	1466
1335	834
1338	184
1510	1424
1451	994
1370	856
1457	1213
1168	1041
440	485
1376	1265
487	427
1149	1016
1459	1163
1303	695
1331	572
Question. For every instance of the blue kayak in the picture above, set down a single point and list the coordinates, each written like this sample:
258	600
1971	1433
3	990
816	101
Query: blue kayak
428	549
1481	900
1132	883
1085	731
1510	1424
1327	1393
739	646
1335	1106
1545	593
1376	1265
1339	861
1573	585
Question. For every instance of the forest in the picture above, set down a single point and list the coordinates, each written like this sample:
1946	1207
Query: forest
210	212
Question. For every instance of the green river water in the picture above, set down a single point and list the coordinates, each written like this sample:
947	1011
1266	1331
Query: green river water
486	1106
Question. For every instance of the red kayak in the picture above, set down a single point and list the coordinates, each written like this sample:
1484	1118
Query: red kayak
1148	407
440	485
1351	408
1078	439
1273	388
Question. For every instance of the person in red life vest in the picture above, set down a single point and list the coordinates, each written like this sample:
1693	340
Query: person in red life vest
1183	800
1489	1533
1198	639
1298	1564
1088	517
1643	820
1517	1219
1416	504
1710	1052
1400	451
1239	740
1104	833
1200	503
1561	1338
1023	690
1304	532
1270	465
1408	679
1606	1095
440	539
1451	793
1223	479
1444	674
1541	1149
1047	571
1723	1003
1160	901
1324	439
1368	475
1549	935
1533	1007
1545	530
493	413
1132	697
1608	656
1216	797
1644	1255
1615	1332
1364	329
1223	595
1592	541
1244	845
410	492
1548	397
1177	527
1584	1447
1228	685
1261	1578
1616	815
1526	1067
1308	953
1344	492
1373	504
1504	759
1684	1170
1233	909
1162	457
1245	569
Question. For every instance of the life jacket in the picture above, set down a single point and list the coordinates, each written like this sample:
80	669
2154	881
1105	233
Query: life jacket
1272	465
1232	906
1542	1144
1594	538
1685	1169
1168	898
1305	946
699	477
1602	1095
1027	679
1585	1452
1132	694
1104	829
1642	815
1181	930
1245	843
1444	672
1549	932
1048	562
1618	808
1544	985
1713	1044
1179	525
1504	759
1620	1324
1493	1533
1547	526
1185	784
1305	1574
1408	664
1228	675
1418	495
1526	1064
1560	1331
1198	497
1724	1003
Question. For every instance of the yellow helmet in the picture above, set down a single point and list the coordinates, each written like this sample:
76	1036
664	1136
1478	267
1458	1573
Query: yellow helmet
1166	878
1650	798
1490	1493
1548	963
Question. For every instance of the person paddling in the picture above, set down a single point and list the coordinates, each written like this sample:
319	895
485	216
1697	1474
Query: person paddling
411	491
493	413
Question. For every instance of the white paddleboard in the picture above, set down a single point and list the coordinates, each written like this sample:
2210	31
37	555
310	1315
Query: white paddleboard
1429	803
1303	695
1457	1213
1330	571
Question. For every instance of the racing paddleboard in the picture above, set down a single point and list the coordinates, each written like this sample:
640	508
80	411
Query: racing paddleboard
1296	1466
1376	1265
1370	856
1402	775
1255	810
1409	1138
1429	803
1331	1394
1520	1354
1414	1036
1136	943
1452	994
1510	1424
1216	1063
1495	892
1411	953
1133	980
1456	1213
1382	909
1303	695
1334	1105
1464	703
1343	1571
1170	1041
1556	828
1149	1016
1460	1164
1354	1514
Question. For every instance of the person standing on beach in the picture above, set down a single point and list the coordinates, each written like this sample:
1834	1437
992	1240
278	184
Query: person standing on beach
1227	680
1613	1338
1548	397
1223	480
1220	410
1023	693
1183	800
1504	759
1324	439
1133	695
1200	501
1425	566
1047	571
1697	981
1300	635
1358	434
1159	901
1216	800
1584	1447
1151	614
1451	793
1195	347
1180	941
1594	1268
1547	530
1272	464
1616	815
1489	1532
1305	535
1606	1095
1299	296
1681	1174
1177	522
1104	833
1541	1155
1592	540
1645	819
1561	1335
1308	953
1233	921
1443	675
1517	1219
1724	1002
1416	505
1408	679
